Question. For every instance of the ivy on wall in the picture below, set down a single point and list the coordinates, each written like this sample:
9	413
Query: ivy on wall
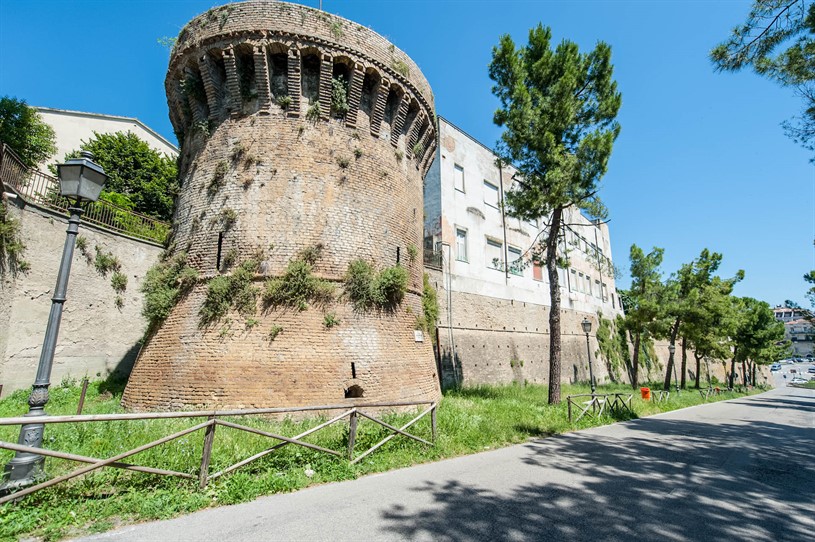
12	247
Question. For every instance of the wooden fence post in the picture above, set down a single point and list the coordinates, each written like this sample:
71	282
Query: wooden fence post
352	434
82	396
433	423
209	437
569	406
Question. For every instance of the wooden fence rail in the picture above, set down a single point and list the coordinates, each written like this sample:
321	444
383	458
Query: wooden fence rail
209	426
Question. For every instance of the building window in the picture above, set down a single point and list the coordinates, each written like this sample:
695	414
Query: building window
581	283
605	293
573	281
515	263
461	245
458	176
495	255
491	195
597	291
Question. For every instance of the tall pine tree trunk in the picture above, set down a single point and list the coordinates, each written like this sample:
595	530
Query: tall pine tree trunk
698	367
635	364
684	364
671	360
554	312
744	374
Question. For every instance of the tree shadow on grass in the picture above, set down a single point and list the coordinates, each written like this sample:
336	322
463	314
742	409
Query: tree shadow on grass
659	478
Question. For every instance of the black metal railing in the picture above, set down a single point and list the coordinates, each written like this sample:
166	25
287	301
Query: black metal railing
42	189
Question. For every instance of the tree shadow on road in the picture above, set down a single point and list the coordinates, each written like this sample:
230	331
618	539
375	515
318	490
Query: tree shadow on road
662	479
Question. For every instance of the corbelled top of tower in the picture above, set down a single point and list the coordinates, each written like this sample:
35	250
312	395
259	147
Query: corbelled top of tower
282	22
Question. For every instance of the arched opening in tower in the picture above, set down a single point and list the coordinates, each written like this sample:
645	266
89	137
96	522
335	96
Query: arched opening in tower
278	70
311	77
370	90
340	79
245	62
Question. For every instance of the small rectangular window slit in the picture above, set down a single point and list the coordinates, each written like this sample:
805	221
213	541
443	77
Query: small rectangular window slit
218	254
353	370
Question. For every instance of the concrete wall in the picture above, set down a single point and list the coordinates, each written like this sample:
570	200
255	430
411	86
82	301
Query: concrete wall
96	338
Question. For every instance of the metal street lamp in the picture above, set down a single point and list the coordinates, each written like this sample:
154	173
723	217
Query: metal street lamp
587	329
671	351
80	179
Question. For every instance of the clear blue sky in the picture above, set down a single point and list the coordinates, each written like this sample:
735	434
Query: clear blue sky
701	161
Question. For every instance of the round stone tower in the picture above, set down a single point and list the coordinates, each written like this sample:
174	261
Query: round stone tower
304	136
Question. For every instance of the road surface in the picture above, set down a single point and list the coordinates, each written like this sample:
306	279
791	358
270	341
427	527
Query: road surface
737	470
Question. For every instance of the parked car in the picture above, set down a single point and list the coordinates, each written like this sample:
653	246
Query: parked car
798	380
775	367
811	369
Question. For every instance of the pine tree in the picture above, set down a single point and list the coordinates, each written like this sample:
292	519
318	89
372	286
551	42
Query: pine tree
558	110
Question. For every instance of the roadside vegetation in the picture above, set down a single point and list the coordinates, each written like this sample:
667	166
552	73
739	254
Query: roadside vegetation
470	420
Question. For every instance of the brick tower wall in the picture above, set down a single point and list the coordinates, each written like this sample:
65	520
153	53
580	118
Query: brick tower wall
263	171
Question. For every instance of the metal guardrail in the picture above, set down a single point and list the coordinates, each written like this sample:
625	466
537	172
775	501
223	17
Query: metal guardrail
38	188
354	413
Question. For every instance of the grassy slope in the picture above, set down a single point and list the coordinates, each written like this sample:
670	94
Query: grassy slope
469	420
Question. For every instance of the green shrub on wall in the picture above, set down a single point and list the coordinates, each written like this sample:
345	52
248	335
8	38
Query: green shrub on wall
297	287
430	309
11	246
368	289
164	285
234	291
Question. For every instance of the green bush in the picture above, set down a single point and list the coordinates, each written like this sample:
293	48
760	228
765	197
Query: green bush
313	112
284	102
140	178
118	282
339	97
358	280
297	287
370	290
105	262
330	320
164	285
234	291
430	307
390	286
12	247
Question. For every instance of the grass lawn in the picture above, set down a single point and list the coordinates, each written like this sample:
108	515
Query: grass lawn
470	420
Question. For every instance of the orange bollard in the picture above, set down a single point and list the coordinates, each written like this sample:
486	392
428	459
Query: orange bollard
646	393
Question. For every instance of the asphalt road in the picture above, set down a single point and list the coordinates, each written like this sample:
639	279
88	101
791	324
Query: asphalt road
737	470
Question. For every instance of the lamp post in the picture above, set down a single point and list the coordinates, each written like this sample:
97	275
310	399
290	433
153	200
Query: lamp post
587	329
80	179
671	352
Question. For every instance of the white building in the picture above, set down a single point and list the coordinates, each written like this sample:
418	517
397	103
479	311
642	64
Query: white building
488	272
73	127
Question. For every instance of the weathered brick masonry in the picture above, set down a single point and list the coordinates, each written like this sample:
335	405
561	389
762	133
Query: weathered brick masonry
503	340
352	184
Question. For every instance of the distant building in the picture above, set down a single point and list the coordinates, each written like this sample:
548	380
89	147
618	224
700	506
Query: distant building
494	295
74	127
787	314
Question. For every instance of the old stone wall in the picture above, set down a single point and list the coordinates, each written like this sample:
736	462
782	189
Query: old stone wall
501	341
96	337
271	166
498	341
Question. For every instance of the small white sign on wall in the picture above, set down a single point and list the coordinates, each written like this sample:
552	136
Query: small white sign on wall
418	336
